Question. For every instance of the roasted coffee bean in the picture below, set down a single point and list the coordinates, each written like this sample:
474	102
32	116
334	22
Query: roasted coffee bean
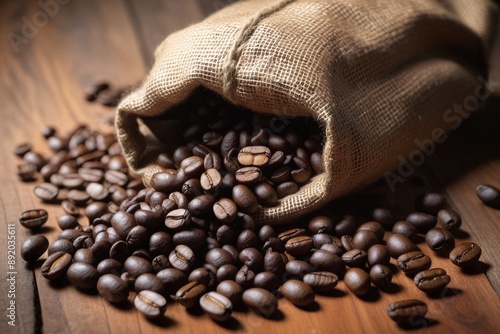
189	294
78	197
364	239
407	311
129	279
430	203
48	131
292	233
192	188
320	224
97	210
267	280
465	255
378	254
299	246
266	232
160	262
230	141
212	139
225	210
178	219
346	241
33	219
398	244
346	226
449	219
148	219
160	243
282	176
97	191
358	281
298	292
231	290
440	240
489	195
179	199
332	248
21	149
252	258
182	258
137	236
260	301
46	191
298	268
151	304
194	237
149	281
321	281
192	166
432	280
261	137
119	251
34	158
326	261
413	262
248	175
61	245
374	227
26	171
406	229
165	161
316	161
122	223
303	172
83	275
227	272
245	277
137	266
216	306
202	275
70	234
276	262
257	156
247	239
286	188
112	288
83	241
266	195
231	161
56	265
93	90
168	181
355	258
84	255
211	180
422	221
383	216
172	279
381	276
109	266
70	209
34	247
219	257
321	239
278	143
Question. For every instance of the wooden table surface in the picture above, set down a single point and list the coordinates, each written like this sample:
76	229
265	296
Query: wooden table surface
42	75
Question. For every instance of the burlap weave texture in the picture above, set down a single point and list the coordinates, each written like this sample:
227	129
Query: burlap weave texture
376	74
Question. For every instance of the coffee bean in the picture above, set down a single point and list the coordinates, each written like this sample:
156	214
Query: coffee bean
333	248
216	306
299	246
282	176
347	244
413	262
33	219
320	224
406	229
432	280
245	277
112	288
407	311
165	161
83	275
231	290
78	197
257	156
172	279
303	172
182	258
192	166
168	181
326	261
374	227
151	304
84	255
286	189
21	149
378	254
422	221
189	294
46	191
178	219
34	247
26	171
61	245
292	233
449	219
83	241
465	254
430	203
97	191
149	281
346	226
56	265
298	293
381	276
355	258
383	216
194	237
119	251
93	90
34	158
276	262
440	240
109	266
248	175
398	244
321	281
70	209
364	239
210	180
225	210
489	195
137	266
245	199
260	301
97	210
192	188
316	161
358	281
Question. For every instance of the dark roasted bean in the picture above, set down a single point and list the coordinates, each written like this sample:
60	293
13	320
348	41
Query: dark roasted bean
381	276
440	240
33	219
449	219
432	280
358	281
465	255
298	292
151	304
260	301
34	247
112	288
407	311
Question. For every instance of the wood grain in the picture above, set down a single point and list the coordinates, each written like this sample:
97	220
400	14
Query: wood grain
86	41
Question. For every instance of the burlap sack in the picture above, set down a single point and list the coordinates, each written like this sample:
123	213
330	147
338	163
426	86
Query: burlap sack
378	75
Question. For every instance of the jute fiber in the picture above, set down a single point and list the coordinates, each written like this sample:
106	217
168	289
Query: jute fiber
376	74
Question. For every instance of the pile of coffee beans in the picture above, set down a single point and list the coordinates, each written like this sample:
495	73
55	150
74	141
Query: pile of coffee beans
191	237
105	94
